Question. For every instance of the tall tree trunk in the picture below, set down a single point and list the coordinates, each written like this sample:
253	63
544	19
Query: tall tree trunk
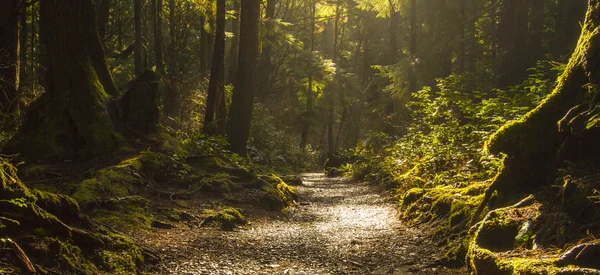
203	46
309	88
103	13
235	42
494	37
512	40
267	48
567	26
139	47
557	123
463	42
536	32
33	69
171	98
172	65
72	117
412	78
340	128
23	35
332	90
216	87
157	6
393	47
240	114
9	56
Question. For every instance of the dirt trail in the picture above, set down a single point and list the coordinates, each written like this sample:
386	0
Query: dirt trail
339	227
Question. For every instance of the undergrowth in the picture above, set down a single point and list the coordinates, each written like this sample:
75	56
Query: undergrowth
438	170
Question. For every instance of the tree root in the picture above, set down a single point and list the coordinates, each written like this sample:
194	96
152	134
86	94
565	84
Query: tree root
21	256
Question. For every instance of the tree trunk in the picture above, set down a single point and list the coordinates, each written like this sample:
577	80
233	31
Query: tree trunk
240	113
536	33
23	35
157	6
9	56
235	42
171	96
393	47
103	13
72	117
267	48
216	86
203	46
559	122
332	89
494	38
512	40
139	47
309	88
412	77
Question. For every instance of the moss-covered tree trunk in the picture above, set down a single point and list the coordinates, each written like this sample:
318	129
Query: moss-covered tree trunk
561	128
72	117
9	56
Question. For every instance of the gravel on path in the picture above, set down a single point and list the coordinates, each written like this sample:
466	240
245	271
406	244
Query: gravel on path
338	227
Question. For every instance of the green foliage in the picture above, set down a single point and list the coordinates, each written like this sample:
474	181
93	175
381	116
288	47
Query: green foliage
444	140
273	145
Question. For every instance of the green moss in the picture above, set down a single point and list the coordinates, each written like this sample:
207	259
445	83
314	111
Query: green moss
71	256
111	182
34	170
228	218
122	256
128	213
279	194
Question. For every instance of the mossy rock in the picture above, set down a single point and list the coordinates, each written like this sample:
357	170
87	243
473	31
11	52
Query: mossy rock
499	230
279	195
228	218
111	182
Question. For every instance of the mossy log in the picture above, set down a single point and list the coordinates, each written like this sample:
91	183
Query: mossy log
533	143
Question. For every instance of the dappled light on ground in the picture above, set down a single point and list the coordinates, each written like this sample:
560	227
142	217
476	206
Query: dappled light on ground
338	227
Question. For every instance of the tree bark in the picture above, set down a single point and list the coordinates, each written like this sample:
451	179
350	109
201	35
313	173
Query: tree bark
158	52
72	118
216	86
240	113
9	56
309	88
203	46
332	89
23	35
235	42
412	78
172	100
393	47
103	13
534	145
267	48
139	47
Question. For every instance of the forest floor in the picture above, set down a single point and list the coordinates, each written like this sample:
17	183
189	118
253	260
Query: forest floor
337	227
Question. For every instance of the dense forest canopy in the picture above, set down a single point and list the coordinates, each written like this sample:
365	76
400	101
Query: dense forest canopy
328	73
462	107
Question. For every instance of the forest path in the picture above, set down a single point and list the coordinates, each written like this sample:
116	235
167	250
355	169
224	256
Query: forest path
339	227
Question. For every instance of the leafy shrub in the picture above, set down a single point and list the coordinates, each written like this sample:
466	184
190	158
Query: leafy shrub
274	145
444	140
